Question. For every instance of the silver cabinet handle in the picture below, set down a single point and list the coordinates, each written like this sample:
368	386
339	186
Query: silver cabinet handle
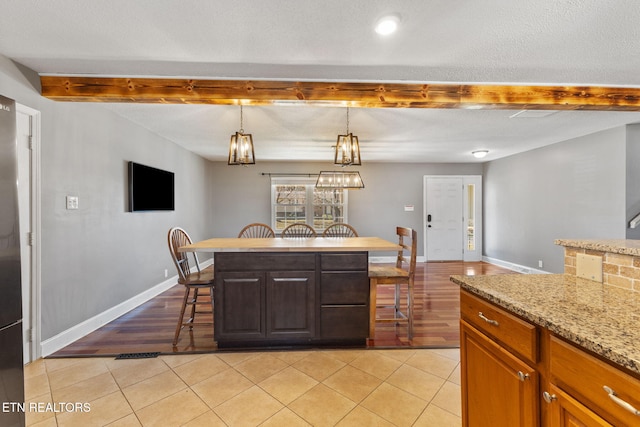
522	376
617	400
486	319
548	397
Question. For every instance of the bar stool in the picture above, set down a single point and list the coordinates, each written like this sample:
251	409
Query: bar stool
257	230
339	229
299	230
402	274
194	282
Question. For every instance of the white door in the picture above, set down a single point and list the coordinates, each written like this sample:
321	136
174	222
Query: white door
444	221
27	122
453	218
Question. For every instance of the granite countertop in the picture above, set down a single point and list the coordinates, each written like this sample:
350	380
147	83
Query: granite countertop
603	319
616	246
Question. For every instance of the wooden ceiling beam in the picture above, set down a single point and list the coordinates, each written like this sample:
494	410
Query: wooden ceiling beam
352	94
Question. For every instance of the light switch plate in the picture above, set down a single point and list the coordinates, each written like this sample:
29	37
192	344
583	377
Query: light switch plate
72	202
589	267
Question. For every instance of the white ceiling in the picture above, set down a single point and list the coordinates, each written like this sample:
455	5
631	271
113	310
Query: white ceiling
575	42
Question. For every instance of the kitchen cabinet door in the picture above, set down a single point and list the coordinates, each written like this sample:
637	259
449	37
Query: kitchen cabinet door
239	309
290	304
498	389
565	411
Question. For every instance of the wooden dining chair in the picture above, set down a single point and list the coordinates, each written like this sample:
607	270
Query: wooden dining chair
402	274
256	230
194	282
299	230
339	229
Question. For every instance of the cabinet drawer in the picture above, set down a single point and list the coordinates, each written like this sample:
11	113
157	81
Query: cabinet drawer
346	322
344	288
263	261
344	261
517	334
585	377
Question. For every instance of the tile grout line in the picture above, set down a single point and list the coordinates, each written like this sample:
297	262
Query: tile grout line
430	402
135	413
358	404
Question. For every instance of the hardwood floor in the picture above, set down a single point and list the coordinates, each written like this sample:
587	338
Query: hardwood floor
150	327
436	306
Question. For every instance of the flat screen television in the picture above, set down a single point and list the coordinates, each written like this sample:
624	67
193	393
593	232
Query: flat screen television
150	189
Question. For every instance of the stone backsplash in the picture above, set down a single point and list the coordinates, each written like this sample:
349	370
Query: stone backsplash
619	270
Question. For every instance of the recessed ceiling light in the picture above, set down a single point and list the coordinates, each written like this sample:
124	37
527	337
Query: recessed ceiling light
387	25
479	154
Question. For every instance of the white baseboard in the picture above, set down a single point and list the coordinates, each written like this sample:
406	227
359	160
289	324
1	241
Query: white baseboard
511	266
515	267
64	338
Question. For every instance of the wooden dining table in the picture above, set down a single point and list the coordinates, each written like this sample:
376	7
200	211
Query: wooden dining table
291	291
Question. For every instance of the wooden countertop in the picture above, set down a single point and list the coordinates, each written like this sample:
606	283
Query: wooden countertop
278	244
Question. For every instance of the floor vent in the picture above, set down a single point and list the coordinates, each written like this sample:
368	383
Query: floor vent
138	355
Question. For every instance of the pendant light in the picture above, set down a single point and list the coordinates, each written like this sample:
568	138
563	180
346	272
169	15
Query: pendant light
241	147
347	148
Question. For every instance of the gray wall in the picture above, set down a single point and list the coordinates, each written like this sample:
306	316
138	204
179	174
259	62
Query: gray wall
573	189
633	178
376	210
100	255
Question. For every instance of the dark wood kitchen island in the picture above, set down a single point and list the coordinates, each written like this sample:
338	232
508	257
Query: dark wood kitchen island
291	292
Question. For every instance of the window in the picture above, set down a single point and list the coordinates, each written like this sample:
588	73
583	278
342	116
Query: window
471	217
297	200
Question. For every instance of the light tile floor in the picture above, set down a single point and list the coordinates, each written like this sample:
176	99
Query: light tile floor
405	387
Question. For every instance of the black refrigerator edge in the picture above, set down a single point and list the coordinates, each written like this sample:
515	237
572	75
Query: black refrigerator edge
11	363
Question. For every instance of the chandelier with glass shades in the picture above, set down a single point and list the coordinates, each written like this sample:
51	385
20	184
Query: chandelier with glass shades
340	179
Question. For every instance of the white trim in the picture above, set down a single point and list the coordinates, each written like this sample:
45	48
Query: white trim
80	330
36	230
515	267
509	265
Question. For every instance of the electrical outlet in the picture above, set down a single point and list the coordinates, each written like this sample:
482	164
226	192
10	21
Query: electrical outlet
540	264
72	202
166	273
